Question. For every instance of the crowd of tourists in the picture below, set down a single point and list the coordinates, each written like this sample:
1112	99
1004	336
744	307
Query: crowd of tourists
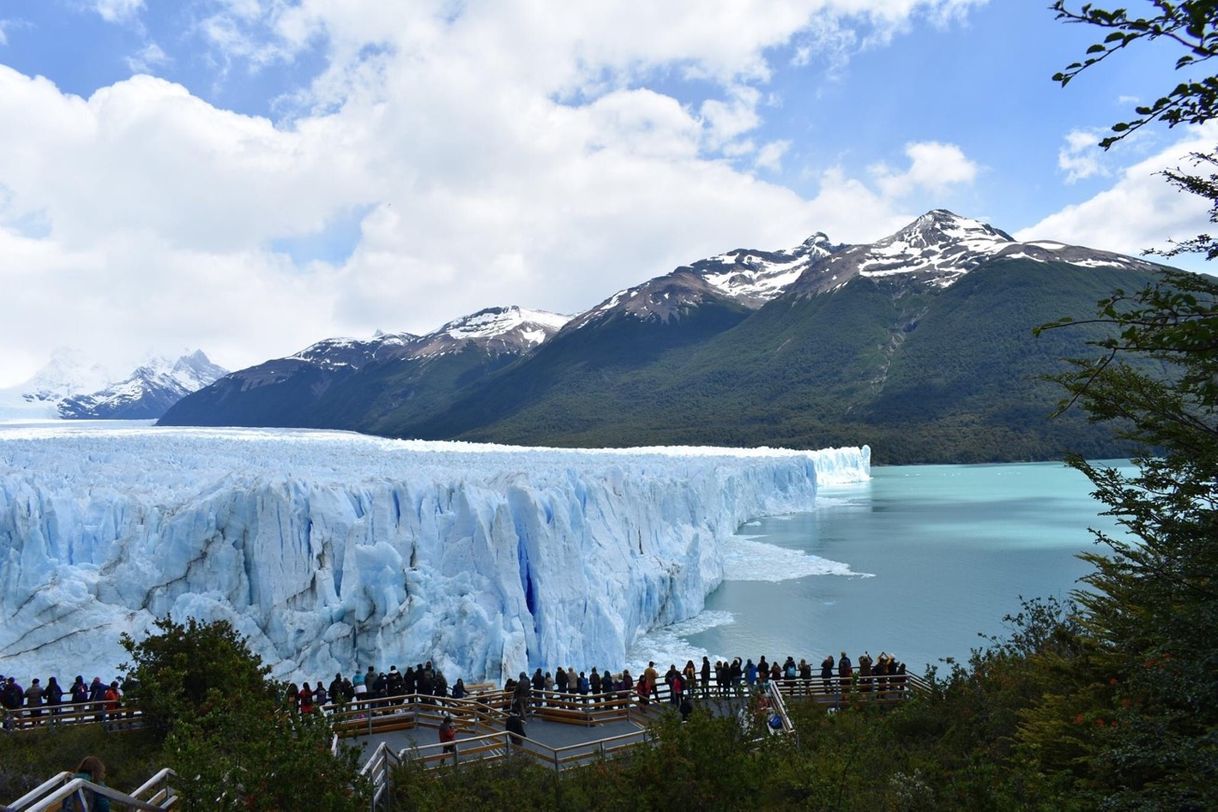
33	700
563	685
566	685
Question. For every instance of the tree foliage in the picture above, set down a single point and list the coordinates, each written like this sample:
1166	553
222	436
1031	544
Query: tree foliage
1192	24
1133	721
226	730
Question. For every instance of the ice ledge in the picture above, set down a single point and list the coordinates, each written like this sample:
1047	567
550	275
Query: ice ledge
333	550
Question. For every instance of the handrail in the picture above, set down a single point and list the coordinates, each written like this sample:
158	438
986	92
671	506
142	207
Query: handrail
81	784
779	707
41	789
26	718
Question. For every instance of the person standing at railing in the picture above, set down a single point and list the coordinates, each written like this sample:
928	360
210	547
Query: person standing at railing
584	687
53	696
521	696
750	674
394	682
33	698
410	684
865	671
97	698
763	672
705	674
305	698
11	697
652	677
572	681
560	679
357	682
735	673
805	675
114	698
459	691
320	697
594	683
539	685
336	689
845	670
826	674
79	691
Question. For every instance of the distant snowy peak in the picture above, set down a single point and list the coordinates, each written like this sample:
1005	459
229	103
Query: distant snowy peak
940	247
68	372
754	277
147	393
334	353
745	277
496	330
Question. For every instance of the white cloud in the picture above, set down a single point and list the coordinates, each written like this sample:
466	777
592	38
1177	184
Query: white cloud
770	156
114	11
504	153
1140	210
934	167
1080	156
147	58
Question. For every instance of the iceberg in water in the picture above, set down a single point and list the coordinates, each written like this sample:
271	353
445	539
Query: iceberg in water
333	551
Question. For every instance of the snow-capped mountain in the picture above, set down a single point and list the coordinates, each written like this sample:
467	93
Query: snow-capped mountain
68	373
147	393
495	330
939	247
341	382
332	353
745	277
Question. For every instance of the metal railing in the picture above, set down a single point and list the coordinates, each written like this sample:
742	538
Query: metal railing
124	717
154	794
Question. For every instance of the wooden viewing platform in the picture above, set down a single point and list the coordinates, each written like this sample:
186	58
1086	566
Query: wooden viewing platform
563	730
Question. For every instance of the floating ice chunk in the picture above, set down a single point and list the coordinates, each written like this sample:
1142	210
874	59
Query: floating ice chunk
745	559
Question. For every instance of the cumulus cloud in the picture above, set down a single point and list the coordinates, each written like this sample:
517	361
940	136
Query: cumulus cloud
933	167
770	156
1079	157
491	153
114	11
1140	210
147	58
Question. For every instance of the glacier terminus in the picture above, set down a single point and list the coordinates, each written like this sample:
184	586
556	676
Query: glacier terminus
333	551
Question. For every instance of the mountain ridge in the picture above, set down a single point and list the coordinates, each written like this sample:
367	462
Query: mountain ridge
811	346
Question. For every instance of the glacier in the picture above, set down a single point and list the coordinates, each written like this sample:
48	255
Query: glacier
332	551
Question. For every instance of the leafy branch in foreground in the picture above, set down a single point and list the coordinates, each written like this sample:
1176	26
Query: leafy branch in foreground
1193	25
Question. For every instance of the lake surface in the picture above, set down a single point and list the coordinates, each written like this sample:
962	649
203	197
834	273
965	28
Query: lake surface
947	551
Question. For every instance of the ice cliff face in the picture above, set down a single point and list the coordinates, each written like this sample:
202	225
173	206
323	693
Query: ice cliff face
332	551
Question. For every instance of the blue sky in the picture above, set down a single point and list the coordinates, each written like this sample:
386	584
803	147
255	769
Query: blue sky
252	175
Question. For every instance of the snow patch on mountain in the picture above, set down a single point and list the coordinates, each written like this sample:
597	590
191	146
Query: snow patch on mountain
332	551
71	386
148	392
745	277
939	248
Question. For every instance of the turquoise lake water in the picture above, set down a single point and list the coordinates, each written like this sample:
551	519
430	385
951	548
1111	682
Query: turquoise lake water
949	550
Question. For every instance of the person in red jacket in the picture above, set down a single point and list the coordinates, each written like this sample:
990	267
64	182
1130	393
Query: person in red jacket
448	735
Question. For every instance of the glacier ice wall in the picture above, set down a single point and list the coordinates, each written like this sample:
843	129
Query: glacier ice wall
332	551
